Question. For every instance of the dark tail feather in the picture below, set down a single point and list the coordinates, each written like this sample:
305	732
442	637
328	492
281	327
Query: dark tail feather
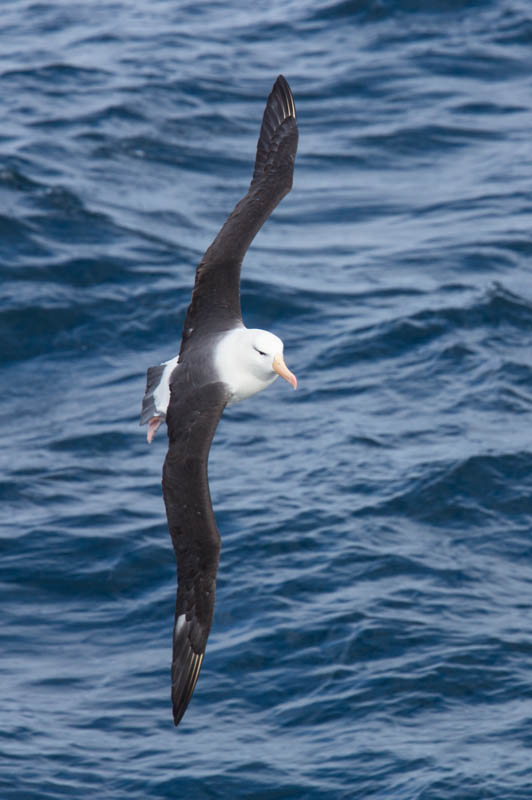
153	378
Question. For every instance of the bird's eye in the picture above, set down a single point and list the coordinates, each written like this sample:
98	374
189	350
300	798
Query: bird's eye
260	352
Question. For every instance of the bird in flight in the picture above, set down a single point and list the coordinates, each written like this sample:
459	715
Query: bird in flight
220	362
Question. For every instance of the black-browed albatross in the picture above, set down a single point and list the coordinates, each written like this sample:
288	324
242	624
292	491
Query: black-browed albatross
220	362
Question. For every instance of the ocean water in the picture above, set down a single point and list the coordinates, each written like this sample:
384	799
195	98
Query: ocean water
373	629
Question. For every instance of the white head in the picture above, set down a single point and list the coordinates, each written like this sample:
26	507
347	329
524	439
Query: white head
248	360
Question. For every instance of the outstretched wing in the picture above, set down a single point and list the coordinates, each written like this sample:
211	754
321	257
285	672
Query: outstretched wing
216	295
192	421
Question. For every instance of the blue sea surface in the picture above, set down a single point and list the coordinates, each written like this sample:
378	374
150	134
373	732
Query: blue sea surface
373	629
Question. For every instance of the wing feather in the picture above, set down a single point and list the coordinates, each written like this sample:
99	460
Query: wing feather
192	420
216	296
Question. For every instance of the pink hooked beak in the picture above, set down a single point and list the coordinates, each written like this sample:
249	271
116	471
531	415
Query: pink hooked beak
281	369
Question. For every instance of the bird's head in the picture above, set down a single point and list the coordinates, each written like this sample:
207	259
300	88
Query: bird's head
248	360
265	357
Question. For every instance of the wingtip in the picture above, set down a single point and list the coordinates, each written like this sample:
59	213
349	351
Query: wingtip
182	694
282	88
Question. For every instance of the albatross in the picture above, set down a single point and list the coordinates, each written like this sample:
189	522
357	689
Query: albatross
220	362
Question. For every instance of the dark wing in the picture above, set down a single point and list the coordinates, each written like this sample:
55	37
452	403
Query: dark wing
192	421
216	296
